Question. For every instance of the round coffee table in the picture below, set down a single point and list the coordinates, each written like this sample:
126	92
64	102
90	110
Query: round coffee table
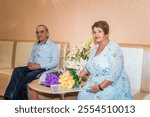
35	88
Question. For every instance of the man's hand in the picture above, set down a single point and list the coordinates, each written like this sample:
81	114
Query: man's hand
33	66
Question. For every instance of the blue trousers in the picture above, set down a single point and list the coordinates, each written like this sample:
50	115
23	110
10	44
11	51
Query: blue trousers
17	88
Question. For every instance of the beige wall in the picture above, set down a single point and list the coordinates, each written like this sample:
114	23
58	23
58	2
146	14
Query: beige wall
71	20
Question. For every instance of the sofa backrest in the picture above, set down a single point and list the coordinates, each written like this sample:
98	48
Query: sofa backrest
145	83
6	53
22	52
63	49
137	66
133	61
24	48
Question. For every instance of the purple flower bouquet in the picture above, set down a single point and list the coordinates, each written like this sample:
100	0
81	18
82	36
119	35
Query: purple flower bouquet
51	79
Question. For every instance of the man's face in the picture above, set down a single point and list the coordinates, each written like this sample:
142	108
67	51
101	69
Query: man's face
41	33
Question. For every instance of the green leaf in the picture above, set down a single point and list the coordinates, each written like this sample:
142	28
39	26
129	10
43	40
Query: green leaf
75	77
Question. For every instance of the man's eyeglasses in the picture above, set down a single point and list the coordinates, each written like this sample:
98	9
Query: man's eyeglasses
39	32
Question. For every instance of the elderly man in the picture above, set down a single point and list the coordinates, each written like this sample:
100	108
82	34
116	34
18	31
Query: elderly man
44	56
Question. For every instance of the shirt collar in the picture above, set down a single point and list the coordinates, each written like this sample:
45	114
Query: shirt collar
40	43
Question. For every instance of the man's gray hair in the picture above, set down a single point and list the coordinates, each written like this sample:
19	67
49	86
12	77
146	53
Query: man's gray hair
43	26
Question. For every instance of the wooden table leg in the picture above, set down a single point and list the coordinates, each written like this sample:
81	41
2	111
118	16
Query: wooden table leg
62	96
34	95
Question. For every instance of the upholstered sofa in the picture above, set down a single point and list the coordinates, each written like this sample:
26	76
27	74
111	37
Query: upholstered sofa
136	62
16	53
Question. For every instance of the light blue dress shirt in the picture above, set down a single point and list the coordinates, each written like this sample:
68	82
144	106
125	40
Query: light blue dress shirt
108	65
45	54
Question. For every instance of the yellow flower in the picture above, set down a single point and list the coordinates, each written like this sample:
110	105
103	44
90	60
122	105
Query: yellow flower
66	73
66	81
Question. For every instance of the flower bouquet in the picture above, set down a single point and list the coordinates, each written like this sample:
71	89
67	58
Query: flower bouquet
66	79
75	61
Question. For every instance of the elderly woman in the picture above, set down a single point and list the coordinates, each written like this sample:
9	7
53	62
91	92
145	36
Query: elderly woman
108	80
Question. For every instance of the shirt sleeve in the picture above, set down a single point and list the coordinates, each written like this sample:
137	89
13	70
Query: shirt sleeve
30	59
54	58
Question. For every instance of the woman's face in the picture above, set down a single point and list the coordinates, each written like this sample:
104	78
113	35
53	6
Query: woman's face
99	35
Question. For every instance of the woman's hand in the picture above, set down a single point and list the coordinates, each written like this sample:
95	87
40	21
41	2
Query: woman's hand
82	74
80	78
94	89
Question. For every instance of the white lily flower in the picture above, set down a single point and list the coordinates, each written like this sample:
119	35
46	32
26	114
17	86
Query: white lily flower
75	57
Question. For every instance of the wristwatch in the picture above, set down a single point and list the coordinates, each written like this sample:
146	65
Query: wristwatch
100	88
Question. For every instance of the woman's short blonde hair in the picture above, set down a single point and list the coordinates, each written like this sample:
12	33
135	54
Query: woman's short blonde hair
103	25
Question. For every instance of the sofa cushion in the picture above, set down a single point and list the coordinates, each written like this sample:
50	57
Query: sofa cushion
6	71
6	53
133	60
4	80
5	75
142	96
